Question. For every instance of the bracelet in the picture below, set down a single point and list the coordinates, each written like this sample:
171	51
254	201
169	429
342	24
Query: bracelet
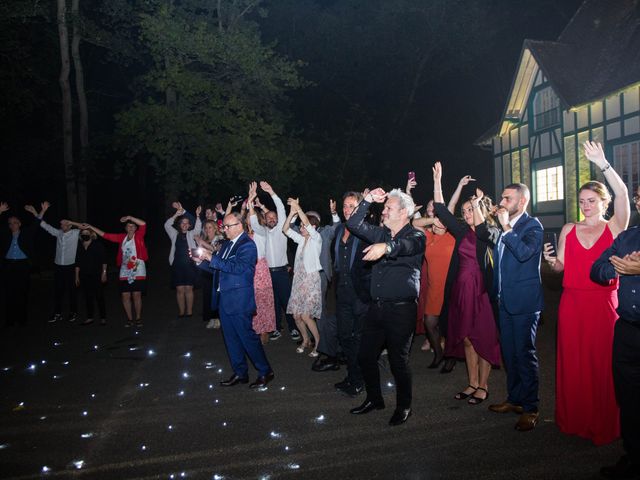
606	167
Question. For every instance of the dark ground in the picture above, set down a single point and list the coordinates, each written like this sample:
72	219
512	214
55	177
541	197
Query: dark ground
96	395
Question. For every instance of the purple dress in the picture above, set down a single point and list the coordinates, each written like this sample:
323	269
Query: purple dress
470	312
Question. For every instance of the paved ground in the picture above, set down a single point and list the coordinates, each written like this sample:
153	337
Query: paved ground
114	403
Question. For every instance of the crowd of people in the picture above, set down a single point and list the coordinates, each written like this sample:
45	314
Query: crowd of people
471	284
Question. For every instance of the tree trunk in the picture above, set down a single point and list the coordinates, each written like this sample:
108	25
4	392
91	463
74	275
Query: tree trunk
84	113
67	125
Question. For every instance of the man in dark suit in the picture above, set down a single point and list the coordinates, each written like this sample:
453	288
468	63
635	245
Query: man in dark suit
233	268
16	257
519	292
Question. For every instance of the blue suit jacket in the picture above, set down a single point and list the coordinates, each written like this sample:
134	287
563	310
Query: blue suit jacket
519	272
234	275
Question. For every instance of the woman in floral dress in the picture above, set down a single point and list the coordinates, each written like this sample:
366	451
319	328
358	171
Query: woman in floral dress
131	259
305	302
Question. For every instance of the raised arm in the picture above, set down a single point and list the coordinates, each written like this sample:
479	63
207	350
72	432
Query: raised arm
135	220
357	224
282	214
455	198
621	210
95	229
286	227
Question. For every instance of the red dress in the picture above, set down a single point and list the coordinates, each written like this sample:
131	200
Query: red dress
585	398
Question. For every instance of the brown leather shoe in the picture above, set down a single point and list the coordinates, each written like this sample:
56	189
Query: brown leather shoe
527	421
506	407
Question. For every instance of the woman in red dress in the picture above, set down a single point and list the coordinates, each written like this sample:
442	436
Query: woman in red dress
585	398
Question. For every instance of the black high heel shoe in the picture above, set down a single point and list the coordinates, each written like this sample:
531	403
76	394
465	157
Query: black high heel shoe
448	365
436	361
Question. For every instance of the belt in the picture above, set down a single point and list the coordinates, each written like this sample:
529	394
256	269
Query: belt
394	301
279	269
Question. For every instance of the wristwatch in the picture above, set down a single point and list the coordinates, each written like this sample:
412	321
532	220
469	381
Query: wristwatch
388	248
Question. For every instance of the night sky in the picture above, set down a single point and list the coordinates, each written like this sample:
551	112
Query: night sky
369	112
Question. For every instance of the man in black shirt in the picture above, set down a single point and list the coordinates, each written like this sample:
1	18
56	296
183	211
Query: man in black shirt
395	284
622	260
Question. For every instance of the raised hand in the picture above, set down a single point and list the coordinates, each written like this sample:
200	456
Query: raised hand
332	206
477	198
293	203
253	191
266	187
437	172
219	208
257	202
29	208
411	184
365	192
176	205
465	180
4	206
124	219
595	153
378	195
44	206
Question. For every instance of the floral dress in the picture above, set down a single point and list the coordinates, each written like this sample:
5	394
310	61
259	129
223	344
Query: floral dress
132	267
306	296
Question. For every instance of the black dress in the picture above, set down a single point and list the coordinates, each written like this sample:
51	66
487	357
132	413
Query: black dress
183	271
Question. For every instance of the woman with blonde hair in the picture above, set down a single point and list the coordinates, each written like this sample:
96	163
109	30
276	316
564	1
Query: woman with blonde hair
585	398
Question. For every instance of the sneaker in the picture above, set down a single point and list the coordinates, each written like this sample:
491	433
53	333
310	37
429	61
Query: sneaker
295	335
275	335
211	324
216	323
55	318
351	390
72	317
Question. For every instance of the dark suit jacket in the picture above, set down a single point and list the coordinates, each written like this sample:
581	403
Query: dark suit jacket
26	240
234	275
519	273
359	270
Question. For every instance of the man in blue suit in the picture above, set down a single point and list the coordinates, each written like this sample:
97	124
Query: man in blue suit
233	268
518	287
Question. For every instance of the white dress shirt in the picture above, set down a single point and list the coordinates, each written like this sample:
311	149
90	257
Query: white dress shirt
66	244
276	241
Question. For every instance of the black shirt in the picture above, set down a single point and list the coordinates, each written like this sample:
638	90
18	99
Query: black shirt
603	272
396	276
90	260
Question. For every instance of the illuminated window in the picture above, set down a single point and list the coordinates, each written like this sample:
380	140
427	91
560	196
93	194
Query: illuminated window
626	159
546	109
549	184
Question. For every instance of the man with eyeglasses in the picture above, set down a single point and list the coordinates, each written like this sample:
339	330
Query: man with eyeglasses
233	268
16	248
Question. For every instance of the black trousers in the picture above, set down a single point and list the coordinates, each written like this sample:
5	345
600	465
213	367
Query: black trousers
64	279
389	325
93	293
350	315
281	292
626	379
16	280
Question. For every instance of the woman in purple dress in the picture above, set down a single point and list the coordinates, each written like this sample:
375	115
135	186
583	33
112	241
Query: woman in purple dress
472	332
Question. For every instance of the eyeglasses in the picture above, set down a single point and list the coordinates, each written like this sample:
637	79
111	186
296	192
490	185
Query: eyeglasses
226	226
636	198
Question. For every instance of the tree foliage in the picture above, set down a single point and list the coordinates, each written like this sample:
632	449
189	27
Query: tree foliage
210	108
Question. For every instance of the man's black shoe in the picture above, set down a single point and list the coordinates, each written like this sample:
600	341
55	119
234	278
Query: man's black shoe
262	380
325	364
623	469
399	416
234	380
367	407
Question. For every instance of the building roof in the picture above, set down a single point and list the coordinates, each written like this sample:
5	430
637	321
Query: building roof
596	55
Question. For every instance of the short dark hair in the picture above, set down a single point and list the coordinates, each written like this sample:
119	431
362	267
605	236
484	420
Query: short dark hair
521	188
313	220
